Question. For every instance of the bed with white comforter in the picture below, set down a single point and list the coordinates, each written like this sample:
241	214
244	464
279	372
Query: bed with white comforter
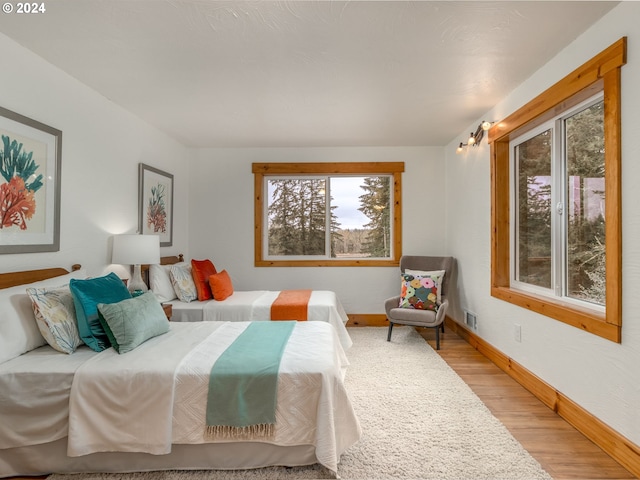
145	410
255	305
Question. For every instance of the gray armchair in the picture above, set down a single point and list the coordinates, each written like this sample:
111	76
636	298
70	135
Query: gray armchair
422	318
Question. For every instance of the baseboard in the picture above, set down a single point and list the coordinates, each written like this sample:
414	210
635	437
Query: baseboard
367	320
613	443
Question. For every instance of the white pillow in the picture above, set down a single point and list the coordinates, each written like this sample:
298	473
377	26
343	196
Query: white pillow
19	332
160	281
436	276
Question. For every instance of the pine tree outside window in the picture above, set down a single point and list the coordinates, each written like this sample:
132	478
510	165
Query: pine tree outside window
559	207
333	214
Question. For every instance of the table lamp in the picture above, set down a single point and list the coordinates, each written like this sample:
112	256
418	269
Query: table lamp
136	250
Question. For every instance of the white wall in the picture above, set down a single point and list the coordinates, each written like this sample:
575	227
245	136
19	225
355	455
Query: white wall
102	145
602	376
221	224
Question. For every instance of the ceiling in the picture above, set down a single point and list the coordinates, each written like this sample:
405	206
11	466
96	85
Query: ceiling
303	73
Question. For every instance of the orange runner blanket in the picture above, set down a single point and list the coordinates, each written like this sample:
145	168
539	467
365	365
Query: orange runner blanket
290	305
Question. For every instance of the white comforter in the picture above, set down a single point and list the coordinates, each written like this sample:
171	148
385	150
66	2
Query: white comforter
155	395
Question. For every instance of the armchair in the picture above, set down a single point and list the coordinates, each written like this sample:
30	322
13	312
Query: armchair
416	317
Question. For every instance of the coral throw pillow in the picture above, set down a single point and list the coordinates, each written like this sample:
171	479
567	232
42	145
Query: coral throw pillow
221	285
201	270
418	292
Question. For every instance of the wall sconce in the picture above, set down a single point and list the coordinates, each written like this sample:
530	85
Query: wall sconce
475	137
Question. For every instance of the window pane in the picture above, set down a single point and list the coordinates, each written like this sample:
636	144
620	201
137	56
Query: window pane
585	202
533	164
296	216
361	212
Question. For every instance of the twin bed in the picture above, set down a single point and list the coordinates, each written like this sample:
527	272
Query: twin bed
255	305
69	412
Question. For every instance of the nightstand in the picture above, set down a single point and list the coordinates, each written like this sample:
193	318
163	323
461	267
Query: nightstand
168	310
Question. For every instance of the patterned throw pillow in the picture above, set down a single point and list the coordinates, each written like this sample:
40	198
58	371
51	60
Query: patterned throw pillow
183	283
419	292
19	332
56	317
436	275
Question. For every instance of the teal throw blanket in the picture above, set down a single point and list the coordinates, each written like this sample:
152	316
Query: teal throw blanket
243	383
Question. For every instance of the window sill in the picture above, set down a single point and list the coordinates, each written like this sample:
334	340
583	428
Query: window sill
582	318
328	263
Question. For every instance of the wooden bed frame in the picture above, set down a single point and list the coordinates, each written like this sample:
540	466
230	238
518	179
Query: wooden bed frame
13	279
172	259
168	260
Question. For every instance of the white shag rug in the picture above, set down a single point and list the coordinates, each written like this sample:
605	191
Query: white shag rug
419	421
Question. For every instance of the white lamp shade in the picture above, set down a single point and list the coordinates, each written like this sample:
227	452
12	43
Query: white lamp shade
135	249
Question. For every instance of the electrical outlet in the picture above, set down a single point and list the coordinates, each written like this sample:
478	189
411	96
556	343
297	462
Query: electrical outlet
471	320
517	333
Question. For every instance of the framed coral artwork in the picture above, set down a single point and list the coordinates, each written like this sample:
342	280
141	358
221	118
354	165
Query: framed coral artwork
30	168
155	203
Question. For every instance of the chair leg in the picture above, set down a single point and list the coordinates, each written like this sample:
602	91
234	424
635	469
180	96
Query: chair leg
442	327
437	338
389	334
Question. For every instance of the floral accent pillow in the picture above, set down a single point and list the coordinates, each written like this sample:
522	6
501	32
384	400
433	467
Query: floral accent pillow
56	317
419	292
183	283
436	275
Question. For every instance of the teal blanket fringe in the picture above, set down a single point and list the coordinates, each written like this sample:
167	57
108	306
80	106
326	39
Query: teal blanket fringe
243	383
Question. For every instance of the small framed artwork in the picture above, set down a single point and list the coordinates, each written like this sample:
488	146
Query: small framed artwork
30	168
155	203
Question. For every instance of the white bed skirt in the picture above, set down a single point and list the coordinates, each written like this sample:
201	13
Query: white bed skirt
52	458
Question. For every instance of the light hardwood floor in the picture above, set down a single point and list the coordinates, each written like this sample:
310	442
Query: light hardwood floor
561	450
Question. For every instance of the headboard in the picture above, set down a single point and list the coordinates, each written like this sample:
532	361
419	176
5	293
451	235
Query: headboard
169	260
12	279
172	259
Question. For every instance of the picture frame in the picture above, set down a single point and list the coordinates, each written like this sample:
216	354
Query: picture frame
155	203
30	184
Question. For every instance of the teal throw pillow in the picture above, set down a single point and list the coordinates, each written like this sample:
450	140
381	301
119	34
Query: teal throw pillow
132	322
87	294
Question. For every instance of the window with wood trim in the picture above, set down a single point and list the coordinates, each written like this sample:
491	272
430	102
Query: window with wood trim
538	257
328	214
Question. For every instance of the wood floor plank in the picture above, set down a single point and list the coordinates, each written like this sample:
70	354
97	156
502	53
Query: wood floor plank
561	450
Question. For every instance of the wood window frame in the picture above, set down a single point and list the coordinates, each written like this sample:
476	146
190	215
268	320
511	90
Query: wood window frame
601	73
260	170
